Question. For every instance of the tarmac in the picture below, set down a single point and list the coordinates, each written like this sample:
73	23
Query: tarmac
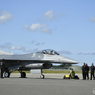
53	84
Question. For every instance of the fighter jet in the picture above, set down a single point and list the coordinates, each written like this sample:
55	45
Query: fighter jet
39	60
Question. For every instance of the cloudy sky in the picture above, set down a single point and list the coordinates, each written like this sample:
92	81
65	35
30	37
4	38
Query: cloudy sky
67	26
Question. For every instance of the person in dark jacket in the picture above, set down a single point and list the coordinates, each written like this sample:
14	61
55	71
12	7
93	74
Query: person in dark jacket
92	71
84	71
87	71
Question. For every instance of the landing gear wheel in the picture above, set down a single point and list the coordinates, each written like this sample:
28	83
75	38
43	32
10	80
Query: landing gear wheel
7	74
42	76
23	75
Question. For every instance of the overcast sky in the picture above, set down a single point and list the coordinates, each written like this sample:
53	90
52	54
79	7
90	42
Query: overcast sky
67	26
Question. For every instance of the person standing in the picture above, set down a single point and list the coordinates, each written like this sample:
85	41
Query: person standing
84	71
92	71
87	71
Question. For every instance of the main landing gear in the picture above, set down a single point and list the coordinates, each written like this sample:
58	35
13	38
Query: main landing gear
23	74
7	74
4	69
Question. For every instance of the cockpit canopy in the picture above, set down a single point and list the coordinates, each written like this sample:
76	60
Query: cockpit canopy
49	51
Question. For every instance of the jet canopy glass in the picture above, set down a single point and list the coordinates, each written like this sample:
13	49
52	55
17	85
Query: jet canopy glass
49	51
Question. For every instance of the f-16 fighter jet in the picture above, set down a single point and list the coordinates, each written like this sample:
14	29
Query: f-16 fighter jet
39	60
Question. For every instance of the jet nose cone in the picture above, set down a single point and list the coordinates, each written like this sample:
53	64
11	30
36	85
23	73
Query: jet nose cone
72	61
68	60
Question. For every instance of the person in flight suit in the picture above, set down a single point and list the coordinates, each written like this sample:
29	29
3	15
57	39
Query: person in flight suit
92	71
84	71
87	71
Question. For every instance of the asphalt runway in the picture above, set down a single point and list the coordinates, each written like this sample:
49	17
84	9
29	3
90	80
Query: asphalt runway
53	84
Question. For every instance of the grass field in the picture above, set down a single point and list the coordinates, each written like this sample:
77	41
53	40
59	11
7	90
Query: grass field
58	71
52	71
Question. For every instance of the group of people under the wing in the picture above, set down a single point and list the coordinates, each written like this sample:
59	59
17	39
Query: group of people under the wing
85	72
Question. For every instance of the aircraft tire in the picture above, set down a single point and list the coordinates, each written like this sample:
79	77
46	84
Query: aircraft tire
7	74
42	76
23	75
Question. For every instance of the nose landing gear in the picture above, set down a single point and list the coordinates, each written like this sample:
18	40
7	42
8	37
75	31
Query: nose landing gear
42	76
